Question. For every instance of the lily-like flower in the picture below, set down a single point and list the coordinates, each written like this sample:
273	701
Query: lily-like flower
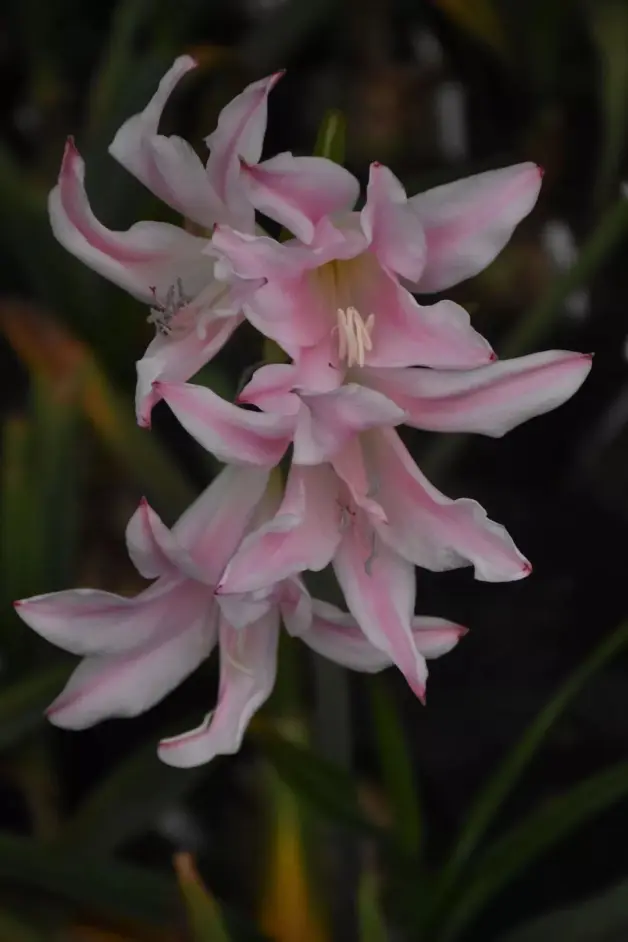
165	266
336	296
373	515
136	650
248	663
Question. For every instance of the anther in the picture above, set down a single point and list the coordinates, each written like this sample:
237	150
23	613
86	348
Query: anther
163	312
354	335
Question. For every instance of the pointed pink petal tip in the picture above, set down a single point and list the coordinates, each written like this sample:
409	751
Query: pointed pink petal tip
17	603
422	695
493	357
541	171
527	568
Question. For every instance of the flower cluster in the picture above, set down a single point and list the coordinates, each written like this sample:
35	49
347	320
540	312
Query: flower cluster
363	356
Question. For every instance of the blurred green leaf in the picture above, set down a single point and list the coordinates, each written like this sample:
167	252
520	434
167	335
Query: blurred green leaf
55	478
49	350
396	765
518	848
609	27
127	803
289	902
325	786
480	19
492	795
606	237
370	916
50	273
600	917
20	538
113	889
14	928
204	917
331	137
118	59
22	703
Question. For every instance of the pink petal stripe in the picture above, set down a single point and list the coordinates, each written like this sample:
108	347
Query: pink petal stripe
233	434
490	400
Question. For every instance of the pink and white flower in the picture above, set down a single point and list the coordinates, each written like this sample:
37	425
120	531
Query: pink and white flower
165	266
136	650
374	516
336	297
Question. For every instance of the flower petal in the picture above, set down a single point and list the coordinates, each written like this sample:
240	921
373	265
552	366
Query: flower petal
430	529
213	526
89	621
295	605
248	666
436	636
327	421
145	260
149	542
168	166
468	223
303	534
130	683
270	388
336	635
490	400
406	333
379	588
239	134
254	256
175	359
393	229
233	434
299	191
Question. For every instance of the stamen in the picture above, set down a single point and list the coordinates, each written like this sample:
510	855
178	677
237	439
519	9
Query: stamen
354	335
164	312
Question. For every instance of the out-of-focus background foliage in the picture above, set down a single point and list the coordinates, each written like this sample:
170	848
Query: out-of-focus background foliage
500	811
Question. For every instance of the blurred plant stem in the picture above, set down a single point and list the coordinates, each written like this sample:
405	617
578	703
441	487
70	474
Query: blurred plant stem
610	231
396	767
204	916
289	909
